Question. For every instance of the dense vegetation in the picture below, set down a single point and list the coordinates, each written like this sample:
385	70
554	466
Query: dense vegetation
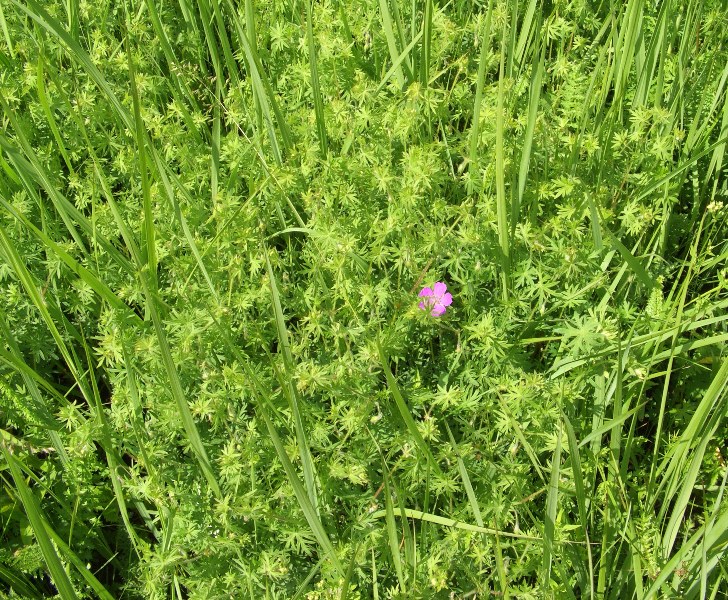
216	218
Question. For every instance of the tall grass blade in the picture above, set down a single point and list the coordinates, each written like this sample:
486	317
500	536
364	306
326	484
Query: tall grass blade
315	85
148	243
309	474
40	529
502	213
480	85
533	101
405	413
263	90
394	54
552	499
309	511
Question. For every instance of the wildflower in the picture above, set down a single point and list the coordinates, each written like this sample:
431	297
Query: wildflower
436	300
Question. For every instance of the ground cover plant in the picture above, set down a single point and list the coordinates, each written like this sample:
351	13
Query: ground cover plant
370	299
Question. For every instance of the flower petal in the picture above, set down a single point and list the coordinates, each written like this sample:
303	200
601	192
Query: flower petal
446	300
440	288
437	310
422	306
426	292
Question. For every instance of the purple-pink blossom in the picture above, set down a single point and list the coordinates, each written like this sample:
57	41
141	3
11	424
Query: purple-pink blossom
435	300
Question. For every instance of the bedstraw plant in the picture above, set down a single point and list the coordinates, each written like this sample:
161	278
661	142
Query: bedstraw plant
371	299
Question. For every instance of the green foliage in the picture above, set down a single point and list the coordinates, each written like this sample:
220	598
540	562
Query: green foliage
215	217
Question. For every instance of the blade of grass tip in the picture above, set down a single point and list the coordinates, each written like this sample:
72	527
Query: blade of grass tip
309	512
500	182
472	499
36	171
37	13
309	474
166	174
581	499
37	522
445	522
42	304
32	175
148	246
518	431
318	104
552	503
136	419
35	403
482	64
98	286
391	42
404	411
679	170
634	264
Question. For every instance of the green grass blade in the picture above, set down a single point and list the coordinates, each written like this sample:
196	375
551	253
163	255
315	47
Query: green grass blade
188	422
394	54
533	101
392	536
552	502
18	581
309	474
315	84
502	213
37	522
148	244
426	50
397	63
404	411
445	522
262	88
309	511
43	98
480	85
581	495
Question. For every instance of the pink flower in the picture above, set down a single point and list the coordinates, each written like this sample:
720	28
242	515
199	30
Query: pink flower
436	300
